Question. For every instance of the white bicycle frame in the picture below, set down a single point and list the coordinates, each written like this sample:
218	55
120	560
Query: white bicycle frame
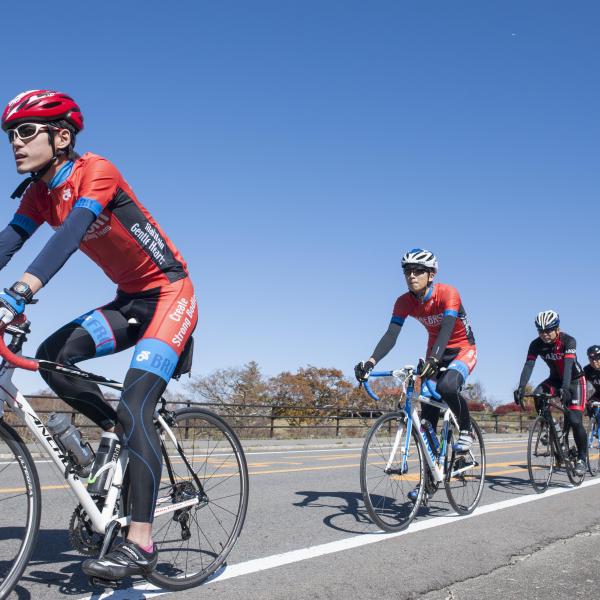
99	519
435	462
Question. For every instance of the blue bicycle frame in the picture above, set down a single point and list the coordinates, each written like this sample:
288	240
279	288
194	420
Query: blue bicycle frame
428	395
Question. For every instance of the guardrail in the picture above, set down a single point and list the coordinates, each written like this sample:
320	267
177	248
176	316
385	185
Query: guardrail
261	421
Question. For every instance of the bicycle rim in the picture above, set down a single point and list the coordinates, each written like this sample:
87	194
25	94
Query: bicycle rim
386	478
593	459
540	457
20	508
194	542
465	473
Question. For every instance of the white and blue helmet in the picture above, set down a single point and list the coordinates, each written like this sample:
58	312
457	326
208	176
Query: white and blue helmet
547	319
421	257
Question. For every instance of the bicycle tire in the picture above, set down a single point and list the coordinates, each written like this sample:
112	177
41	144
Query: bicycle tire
20	473
217	460
570	459
593	450
540	455
384	488
465	473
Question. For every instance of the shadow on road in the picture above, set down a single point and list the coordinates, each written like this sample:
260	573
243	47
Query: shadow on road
346	504
55	565
504	484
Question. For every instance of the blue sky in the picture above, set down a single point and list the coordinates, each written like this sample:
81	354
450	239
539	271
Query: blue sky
293	150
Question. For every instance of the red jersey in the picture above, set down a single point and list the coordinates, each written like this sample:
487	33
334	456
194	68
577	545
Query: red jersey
124	240
440	300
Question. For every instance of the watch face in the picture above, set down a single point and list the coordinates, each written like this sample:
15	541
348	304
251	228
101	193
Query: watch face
23	289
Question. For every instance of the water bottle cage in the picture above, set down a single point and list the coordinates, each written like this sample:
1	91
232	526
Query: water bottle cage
73	467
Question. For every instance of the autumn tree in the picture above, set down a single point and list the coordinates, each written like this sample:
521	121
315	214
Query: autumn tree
232	391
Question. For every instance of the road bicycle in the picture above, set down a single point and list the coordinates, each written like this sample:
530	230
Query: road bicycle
593	461
202	498
401	455
549	446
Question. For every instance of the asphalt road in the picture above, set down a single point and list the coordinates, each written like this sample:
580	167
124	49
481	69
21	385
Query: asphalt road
307	535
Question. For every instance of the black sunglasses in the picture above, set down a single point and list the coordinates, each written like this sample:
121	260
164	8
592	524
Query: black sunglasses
414	271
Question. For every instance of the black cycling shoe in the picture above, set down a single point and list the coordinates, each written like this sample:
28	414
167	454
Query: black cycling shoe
122	561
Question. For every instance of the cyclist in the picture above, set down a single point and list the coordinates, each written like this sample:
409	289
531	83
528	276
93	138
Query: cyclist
592	378
451	342
557	350
91	207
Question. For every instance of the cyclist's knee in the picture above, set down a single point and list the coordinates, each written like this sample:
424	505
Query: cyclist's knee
125	418
449	384
575	418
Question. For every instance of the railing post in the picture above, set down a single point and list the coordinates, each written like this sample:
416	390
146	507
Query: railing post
272	429
496	424
337	425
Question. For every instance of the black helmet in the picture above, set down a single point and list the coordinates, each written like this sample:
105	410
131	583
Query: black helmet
593	351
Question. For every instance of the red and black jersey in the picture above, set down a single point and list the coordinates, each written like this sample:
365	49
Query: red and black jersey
592	376
124	240
554	355
440	300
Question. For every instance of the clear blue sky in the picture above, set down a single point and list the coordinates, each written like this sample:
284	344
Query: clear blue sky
294	150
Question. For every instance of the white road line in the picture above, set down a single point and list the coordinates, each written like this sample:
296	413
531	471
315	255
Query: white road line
139	592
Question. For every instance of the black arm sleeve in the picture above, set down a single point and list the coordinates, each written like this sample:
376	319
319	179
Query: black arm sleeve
62	244
568	371
446	329
387	342
11	239
526	372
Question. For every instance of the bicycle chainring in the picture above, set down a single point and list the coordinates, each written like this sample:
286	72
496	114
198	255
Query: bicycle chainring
81	534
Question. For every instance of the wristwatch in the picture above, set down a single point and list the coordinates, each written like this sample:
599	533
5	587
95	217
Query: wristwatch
23	290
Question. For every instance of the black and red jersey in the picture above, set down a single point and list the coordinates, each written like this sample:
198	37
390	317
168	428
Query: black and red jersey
592	376
554	355
124	240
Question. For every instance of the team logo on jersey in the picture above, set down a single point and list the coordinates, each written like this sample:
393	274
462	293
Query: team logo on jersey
67	194
143	355
99	228
431	319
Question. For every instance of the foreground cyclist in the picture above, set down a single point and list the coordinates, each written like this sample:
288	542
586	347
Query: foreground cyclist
451	342
91	207
557	350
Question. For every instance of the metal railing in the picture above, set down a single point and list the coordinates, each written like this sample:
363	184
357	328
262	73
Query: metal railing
285	421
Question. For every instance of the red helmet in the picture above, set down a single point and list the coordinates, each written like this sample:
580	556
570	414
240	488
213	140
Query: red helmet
42	106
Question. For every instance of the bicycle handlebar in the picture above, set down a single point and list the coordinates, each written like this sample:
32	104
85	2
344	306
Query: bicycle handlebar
16	361
372	394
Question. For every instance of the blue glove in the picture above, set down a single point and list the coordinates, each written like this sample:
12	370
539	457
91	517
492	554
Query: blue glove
12	304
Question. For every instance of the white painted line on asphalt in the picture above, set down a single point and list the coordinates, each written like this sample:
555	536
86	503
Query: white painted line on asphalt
146	590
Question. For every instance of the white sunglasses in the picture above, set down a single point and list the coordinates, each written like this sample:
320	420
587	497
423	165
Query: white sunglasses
26	131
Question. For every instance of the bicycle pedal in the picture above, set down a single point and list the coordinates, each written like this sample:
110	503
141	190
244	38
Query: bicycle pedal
104	583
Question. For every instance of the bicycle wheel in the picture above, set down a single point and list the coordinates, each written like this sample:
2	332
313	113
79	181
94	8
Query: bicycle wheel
465	473
570	450
205	462
20	508
593	458
387	475
540	457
